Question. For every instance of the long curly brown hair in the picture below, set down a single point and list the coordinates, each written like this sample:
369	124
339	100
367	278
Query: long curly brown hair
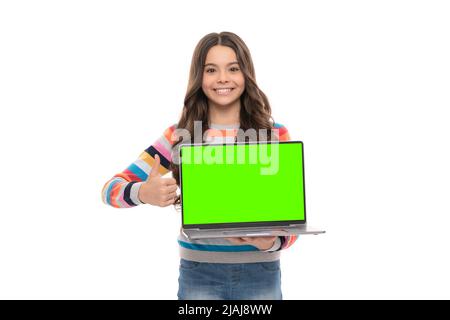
255	111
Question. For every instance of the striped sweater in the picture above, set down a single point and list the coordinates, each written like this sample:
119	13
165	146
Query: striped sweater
121	191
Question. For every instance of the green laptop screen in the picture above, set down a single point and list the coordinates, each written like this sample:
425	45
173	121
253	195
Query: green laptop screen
236	183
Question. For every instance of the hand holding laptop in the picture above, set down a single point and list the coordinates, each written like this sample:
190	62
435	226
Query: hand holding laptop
158	191
262	243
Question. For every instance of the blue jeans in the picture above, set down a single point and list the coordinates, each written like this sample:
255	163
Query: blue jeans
229	281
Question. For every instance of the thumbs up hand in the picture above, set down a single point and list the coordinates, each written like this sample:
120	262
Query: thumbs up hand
156	190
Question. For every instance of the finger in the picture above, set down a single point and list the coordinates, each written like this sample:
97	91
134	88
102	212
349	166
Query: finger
235	240
170	182
170	196
168	202
155	167
232	240
171	188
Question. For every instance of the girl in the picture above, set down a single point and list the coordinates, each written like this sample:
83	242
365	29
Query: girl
222	93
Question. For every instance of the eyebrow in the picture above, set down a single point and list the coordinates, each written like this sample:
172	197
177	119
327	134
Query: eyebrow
212	64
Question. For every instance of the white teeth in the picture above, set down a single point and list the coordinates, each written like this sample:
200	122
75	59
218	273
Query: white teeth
223	91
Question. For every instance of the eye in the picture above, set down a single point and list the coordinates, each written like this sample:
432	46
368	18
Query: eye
234	69
209	70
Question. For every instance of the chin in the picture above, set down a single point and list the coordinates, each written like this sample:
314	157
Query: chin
224	103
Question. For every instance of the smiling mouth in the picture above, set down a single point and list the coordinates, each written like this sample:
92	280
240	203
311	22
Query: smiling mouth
223	91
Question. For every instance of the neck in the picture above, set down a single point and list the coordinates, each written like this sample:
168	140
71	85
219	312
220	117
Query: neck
226	115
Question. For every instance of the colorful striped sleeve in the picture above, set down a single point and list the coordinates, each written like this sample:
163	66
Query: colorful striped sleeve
121	191
283	135
281	132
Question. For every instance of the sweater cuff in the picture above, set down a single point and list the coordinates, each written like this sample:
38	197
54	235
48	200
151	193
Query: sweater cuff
134	193
276	245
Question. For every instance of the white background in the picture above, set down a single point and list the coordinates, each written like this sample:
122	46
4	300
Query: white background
85	86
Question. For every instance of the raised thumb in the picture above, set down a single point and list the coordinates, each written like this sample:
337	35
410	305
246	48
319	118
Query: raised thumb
155	168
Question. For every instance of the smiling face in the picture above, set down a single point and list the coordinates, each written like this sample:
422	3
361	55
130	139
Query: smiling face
223	81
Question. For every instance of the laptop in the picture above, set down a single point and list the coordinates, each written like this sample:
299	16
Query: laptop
243	189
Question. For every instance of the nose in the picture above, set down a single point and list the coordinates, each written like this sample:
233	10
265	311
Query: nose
222	78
